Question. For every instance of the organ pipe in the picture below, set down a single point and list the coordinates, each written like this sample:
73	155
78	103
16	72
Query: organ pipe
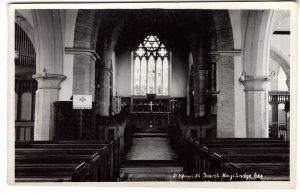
24	48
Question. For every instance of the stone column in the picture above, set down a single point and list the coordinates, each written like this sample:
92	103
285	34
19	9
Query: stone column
46	95
199	80
226	95
104	91
288	126
256	106
213	82
84	70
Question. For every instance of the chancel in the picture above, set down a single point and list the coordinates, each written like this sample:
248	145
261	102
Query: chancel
152	95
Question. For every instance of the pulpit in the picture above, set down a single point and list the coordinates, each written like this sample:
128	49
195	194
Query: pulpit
150	111
71	124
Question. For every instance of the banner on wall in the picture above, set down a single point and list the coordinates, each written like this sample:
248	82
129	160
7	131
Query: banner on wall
82	102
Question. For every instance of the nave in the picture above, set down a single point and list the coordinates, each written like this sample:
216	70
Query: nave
152	95
151	158
153	155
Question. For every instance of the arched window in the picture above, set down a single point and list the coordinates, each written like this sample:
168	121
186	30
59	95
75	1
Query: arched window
151	67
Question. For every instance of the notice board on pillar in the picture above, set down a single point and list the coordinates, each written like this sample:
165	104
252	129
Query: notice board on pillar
82	102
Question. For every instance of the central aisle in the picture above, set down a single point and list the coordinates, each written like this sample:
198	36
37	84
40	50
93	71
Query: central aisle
151	148
151	158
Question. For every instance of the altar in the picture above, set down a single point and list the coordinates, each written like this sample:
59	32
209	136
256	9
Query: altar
151	111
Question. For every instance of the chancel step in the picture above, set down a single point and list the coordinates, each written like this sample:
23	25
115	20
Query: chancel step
150	135
157	173
152	163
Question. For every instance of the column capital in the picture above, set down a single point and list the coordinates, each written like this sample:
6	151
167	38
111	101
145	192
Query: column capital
82	51
105	70
215	57
49	81
199	72
254	83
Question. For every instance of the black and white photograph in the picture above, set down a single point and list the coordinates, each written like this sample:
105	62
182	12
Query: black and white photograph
135	93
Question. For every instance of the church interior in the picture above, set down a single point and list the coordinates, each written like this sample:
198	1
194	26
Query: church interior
118	95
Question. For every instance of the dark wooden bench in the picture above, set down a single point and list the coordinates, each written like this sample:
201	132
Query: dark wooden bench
113	148
51	172
238	156
37	161
267	157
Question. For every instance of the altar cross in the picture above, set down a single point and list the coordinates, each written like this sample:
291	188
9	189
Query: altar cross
151	104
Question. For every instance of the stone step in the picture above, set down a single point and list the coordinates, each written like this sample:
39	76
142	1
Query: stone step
142	173
152	170
137	135
147	177
151	130
150	163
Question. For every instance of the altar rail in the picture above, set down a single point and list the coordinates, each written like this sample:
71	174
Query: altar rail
142	104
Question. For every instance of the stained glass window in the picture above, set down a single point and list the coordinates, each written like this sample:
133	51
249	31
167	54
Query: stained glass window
151	67
159	76
137	76
143	76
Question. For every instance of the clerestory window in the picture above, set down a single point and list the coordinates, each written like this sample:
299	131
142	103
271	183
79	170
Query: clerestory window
151	67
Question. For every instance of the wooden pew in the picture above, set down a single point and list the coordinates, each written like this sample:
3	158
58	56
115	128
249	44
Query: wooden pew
267	158
35	165
51	173
114	147
100	159
230	156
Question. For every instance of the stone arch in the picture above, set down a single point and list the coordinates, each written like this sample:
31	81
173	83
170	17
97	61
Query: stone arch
256	49
86	29
48	41
25	25
223	31
279	58
281	16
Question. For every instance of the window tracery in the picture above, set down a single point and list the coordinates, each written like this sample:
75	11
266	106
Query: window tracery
151	67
